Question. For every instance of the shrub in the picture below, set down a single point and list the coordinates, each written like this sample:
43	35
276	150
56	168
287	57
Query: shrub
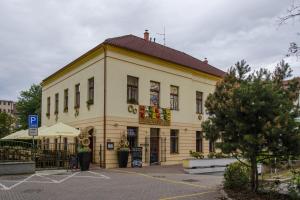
211	155
197	155
220	155
294	185
236	176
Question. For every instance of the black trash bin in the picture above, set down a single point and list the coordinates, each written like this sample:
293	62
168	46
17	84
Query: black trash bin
137	157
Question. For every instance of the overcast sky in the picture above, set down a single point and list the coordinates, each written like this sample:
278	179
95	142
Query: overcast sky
39	37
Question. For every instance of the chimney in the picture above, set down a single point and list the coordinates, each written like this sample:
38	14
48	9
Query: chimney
146	35
205	60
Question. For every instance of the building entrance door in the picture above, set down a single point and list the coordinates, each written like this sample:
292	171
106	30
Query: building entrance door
154	146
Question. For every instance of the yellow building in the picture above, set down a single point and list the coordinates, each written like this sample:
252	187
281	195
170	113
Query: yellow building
131	86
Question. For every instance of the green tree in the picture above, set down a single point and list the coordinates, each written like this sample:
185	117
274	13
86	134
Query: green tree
29	103
253	115
6	122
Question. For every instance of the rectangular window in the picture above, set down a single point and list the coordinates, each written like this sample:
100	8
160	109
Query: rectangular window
56	103
154	93
212	146
8	103
91	91
174	98
65	144
199	97
174	141
199	141
77	96
132	90
132	136
66	100
48	105
4	102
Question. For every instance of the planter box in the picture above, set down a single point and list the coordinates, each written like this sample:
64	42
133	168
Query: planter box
10	168
198	166
206	163
84	160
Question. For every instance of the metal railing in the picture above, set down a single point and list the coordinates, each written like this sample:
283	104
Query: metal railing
55	155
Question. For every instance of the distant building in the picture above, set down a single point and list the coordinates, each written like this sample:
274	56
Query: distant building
285	83
8	106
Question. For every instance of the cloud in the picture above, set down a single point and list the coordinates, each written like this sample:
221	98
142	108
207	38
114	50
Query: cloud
39	37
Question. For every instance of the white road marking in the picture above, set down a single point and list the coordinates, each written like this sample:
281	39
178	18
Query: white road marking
99	174
64	179
43	175
99	177
54	181
3	187
24	180
12	181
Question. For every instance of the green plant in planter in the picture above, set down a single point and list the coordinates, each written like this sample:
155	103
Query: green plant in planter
132	101
197	155
89	103
220	155
83	149
84	152
211	155
66	109
123	152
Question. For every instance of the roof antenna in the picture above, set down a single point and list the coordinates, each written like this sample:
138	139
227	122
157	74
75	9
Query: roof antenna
163	34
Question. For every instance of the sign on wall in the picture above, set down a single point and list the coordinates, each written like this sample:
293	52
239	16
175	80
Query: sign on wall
155	116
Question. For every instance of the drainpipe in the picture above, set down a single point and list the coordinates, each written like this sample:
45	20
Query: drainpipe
104	108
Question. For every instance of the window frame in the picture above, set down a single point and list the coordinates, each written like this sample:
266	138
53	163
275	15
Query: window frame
56	103
174	138
77	96
199	141
199	102
66	100
211	146
174	98
91	90
133	99
156	91
48	105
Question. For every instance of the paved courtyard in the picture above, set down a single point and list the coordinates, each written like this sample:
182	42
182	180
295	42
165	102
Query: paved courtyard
156	182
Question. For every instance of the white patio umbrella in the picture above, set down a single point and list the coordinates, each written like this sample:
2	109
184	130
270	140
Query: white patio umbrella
21	135
59	130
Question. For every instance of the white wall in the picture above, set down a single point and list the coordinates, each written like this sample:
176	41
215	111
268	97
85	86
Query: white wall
92	68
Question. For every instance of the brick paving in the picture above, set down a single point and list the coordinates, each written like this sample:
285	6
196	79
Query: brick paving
155	182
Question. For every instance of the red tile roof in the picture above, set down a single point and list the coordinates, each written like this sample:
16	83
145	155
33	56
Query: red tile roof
140	45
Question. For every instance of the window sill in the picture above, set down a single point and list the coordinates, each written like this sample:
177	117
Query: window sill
174	154
132	103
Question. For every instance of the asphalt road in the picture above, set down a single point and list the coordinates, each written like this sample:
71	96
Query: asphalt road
109	184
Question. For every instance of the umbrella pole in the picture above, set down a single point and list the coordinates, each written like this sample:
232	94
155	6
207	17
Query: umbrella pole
59	142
